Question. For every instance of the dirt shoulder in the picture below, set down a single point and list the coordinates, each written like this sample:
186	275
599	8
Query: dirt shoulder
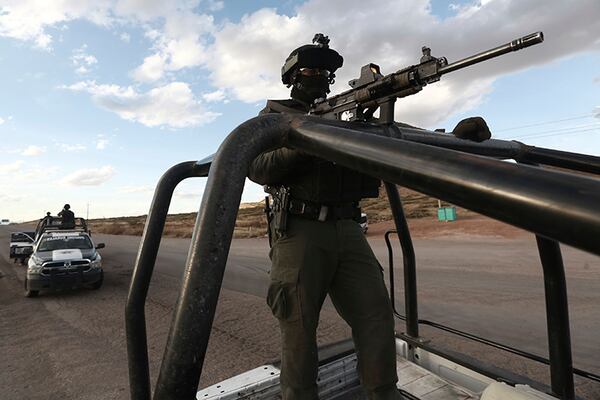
466	224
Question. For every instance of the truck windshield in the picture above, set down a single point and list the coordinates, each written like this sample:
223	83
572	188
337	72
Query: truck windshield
64	243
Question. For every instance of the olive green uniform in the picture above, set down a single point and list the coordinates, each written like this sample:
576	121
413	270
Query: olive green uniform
314	258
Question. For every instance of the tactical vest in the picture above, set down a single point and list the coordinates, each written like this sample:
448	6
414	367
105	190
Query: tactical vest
323	181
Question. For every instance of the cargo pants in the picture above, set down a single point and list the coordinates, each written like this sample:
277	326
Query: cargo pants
313	259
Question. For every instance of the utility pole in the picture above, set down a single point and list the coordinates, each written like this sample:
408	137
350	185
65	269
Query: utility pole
87	213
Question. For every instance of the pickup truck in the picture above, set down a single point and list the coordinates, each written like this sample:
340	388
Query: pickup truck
21	245
63	260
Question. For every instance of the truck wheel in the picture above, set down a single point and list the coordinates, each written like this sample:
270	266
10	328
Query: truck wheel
98	285
30	293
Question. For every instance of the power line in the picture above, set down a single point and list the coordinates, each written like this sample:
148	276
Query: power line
563	133
544	123
566	130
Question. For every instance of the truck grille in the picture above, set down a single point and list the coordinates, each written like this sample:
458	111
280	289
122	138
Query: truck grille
61	267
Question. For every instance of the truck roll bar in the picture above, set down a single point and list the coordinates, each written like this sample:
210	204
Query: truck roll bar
555	205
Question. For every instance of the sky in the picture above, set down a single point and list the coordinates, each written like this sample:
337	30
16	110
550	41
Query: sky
100	97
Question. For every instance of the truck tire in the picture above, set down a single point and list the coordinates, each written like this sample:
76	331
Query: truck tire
30	293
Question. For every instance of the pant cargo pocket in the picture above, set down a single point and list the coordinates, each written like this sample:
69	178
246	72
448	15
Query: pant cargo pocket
282	299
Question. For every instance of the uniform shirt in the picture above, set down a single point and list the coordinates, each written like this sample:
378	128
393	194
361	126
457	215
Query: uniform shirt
67	216
309	178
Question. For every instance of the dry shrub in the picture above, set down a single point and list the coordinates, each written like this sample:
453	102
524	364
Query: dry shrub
178	231
251	220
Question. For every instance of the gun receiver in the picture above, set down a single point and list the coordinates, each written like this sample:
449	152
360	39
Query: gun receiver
372	89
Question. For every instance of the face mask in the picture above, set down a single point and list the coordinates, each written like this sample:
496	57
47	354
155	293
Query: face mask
309	88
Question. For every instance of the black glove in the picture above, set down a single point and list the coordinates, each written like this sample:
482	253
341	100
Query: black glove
473	128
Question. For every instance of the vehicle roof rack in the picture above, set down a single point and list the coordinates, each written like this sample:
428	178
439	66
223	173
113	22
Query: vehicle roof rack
53	224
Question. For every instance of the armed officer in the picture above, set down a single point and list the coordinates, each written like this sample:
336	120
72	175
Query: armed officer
68	217
318	247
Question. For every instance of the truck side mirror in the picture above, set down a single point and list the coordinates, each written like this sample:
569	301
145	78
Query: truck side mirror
100	246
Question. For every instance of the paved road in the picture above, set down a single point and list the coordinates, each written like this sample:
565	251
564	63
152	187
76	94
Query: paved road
488	286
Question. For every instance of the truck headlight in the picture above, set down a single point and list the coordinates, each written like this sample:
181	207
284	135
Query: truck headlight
96	262
34	266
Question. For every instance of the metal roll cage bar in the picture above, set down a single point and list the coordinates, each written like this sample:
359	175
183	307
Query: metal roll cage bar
556	205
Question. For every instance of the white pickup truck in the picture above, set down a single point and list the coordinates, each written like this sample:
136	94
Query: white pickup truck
63	260
21	245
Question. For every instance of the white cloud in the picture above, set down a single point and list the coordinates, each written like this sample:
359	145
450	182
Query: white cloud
34	20
246	57
172	105
101	143
126	37
137	189
37	174
4	120
28	20
89	177
596	112
10	198
82	61
10	168
217	95
187	195
151	70
33	151
215	5
180	43
70	147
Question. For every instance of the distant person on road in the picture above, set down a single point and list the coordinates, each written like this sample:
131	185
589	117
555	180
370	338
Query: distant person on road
68	218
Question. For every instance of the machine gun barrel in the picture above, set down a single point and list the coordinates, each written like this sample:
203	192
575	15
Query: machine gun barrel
517	44
372	89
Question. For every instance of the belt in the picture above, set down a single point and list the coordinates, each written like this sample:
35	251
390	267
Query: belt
322	212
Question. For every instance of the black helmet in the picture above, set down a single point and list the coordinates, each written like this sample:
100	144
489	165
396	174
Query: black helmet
66	207
316	55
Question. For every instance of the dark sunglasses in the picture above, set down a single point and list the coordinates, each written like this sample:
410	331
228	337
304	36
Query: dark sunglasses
314	71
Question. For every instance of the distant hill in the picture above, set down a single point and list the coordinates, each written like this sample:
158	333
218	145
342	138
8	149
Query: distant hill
251	221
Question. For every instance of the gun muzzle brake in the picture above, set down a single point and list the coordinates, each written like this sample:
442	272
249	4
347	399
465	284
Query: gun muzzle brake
517	44
526	41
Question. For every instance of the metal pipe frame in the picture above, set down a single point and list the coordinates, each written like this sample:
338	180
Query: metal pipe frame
135	319
498	345
194	313
409	261
491	371
559	342
556	205
388	243
557	318
504	149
